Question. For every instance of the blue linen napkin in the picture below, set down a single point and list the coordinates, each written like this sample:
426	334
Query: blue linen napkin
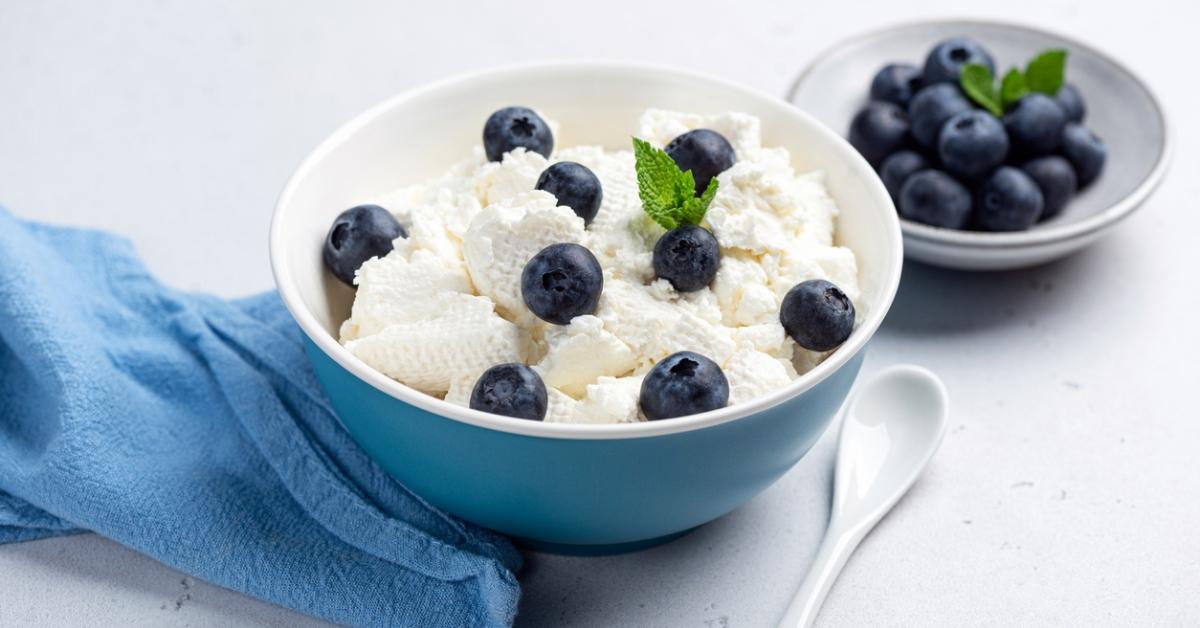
192	429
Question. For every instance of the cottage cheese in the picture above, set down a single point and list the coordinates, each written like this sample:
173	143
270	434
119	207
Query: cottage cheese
446	303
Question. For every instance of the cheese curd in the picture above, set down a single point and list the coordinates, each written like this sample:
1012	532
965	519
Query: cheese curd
446	303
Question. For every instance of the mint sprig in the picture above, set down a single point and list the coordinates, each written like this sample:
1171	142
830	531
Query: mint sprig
977	82
668	193
1013	87
1044	73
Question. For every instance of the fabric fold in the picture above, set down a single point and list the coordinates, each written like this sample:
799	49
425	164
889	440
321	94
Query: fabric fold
192	429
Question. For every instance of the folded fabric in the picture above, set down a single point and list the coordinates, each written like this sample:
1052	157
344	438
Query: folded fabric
192	429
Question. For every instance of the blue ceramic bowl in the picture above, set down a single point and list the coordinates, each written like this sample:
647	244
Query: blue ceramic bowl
574	488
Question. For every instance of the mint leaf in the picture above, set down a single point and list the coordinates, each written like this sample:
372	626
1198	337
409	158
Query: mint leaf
657	187
1045	73
695	206
668	193
1013	87
977	82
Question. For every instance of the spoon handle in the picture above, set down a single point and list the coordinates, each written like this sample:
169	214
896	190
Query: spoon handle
832	555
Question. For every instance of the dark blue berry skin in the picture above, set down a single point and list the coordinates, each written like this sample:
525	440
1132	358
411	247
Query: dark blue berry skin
1035	125
575	186
513	390
681	384
1056	179
561	282
933	197
1009	200
945	62
896	83
1071	100
896	169
357	235
1086	152
972	143
687	257
931	107
879	130
817	315
513	127
703	151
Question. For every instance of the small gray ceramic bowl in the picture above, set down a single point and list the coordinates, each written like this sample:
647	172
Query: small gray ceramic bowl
1121	110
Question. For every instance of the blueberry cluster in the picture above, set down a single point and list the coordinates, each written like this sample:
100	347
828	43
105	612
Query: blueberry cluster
948	162
565	280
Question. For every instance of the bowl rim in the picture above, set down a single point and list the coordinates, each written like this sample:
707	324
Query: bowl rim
329	345
1078	229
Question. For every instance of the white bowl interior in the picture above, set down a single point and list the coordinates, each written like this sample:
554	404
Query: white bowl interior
1121	110
416	136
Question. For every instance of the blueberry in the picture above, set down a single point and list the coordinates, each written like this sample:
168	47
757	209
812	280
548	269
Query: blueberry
513	127
817	315
357	235
896	83
972	143
575	186
1085	150
513	390
945	62
935	198
931	108
1071	100
1056	179
1009	200
561	282
687	257
1035	125
896	169
705	152
879	130
681	384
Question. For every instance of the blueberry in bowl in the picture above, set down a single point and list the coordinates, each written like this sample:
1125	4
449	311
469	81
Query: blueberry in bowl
935	198
972	143
1056	178
896	169
817	315
945	62
931	108
513	390
516	127
896	83
1035	125
573	185
704	152
1070	98
681	384
688	257
1009	200
561	282
879	130
357	235
1085	150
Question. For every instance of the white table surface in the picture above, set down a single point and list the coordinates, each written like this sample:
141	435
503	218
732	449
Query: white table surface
1066	492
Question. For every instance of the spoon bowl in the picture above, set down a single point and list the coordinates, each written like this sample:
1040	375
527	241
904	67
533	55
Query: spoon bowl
891	429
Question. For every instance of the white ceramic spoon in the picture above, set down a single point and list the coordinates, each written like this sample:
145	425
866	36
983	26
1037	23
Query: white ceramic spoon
892	427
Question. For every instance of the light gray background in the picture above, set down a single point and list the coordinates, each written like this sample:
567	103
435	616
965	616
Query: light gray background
1066	491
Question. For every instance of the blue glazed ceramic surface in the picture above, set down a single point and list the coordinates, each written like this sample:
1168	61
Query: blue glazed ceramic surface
566	492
